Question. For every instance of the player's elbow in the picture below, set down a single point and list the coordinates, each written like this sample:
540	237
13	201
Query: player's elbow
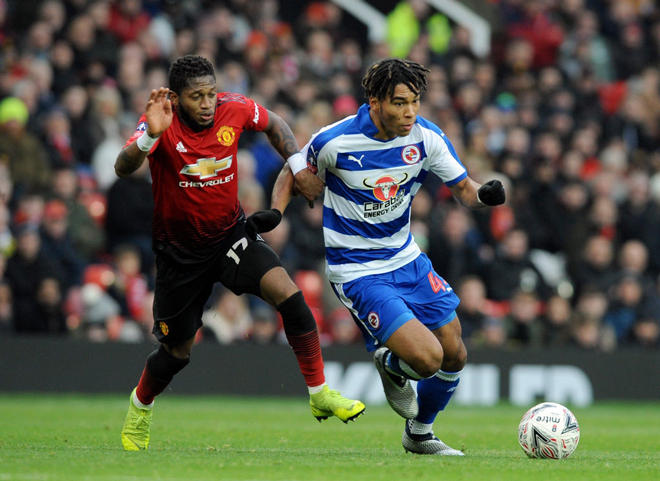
119	173
120	170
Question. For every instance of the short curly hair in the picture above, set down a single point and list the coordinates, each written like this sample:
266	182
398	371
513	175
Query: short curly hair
383	76
186	68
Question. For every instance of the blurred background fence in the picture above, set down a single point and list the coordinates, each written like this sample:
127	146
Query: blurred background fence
569	376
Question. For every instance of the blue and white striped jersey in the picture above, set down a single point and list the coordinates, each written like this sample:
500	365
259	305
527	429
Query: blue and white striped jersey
370	185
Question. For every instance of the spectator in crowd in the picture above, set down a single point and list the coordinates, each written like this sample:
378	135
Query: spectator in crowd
228	320
639	216
633	259
557	321
523	323
57	244
58	139
27	159
50	309
27	272
98	311
414	19
596	267
62	55
342	329
454	246
130	214
130	285
76	103
569	218
103	156
87	236
629	304
588	330
512	269
473	309
266	328
645	332
307	224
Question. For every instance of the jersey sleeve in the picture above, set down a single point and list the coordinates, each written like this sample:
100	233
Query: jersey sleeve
317	161
245	111
257	117
319	153
139	130
443	158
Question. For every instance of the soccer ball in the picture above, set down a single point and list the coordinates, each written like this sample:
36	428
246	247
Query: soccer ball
549	431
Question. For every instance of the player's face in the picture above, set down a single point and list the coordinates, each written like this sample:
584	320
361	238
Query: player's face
395	116
196	104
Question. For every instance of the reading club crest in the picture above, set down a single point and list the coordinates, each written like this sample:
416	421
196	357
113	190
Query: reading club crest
411	154
373	320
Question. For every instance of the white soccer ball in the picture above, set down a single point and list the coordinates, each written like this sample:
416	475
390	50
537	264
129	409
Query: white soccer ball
549	431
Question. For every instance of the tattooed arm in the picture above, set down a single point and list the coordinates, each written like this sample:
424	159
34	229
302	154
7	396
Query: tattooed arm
282	139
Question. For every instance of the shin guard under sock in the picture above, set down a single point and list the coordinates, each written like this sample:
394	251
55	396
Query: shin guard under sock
434	393
161	367
300	330
398	366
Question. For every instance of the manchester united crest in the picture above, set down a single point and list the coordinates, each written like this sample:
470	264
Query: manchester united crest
163	328
226	135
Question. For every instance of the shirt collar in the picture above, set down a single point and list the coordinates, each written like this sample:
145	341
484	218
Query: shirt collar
364	122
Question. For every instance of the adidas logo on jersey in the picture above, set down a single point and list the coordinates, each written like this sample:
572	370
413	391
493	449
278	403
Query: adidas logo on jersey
180	147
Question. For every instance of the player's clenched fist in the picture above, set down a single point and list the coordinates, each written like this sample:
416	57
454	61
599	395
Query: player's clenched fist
262	221
491	193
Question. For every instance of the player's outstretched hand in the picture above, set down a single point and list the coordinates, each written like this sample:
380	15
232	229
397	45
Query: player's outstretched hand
491	193
262	221
159	112
309	184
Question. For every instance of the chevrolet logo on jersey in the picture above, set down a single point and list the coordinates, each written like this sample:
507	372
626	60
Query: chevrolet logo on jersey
205	168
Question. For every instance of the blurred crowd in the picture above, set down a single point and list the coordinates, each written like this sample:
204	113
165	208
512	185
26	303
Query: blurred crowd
565	110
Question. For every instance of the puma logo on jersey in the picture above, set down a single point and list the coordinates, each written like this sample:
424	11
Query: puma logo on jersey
355	159
181	148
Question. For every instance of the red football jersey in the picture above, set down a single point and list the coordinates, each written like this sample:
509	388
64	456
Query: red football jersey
195	178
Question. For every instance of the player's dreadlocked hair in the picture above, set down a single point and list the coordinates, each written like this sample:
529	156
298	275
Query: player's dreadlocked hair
383	76
186	68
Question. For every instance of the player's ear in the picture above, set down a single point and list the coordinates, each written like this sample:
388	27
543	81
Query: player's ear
374	104
174	98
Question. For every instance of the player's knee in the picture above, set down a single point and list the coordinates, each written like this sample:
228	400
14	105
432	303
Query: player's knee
179	350
428	363
455	360
277	287
163	365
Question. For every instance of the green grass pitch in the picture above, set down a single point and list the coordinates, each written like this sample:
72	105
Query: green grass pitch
77	437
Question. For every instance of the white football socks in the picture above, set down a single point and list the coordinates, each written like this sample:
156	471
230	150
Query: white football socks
315	389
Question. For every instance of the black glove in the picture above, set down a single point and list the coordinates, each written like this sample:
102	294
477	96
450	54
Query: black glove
491	193
262	221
